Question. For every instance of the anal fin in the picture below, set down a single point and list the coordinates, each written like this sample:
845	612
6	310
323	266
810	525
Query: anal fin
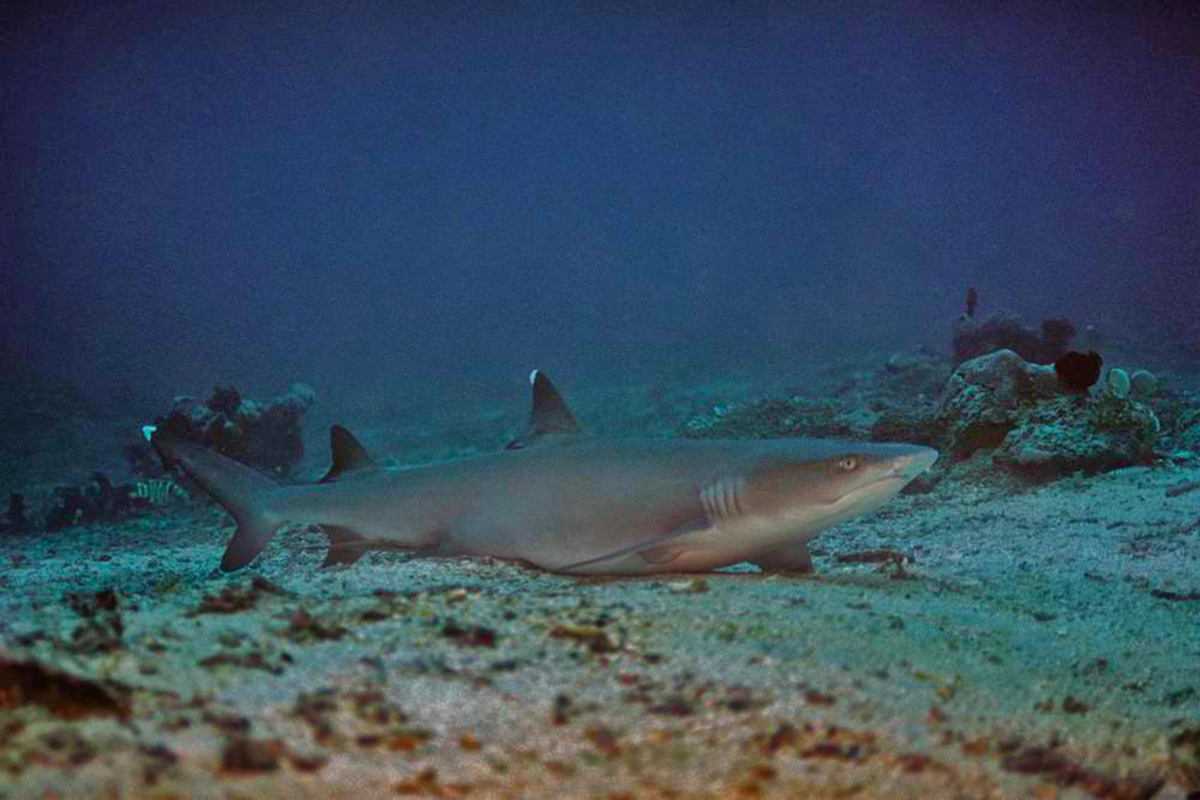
345	546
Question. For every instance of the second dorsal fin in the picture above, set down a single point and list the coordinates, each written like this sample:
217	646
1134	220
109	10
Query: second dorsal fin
548	416
348	454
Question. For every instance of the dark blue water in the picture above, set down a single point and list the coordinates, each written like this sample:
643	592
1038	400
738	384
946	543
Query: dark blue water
405	198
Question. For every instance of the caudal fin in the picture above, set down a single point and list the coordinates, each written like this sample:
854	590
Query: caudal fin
240	489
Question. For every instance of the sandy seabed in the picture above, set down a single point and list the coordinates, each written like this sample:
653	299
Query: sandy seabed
1040	644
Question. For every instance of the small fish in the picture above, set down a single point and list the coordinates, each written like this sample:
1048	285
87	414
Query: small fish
159	492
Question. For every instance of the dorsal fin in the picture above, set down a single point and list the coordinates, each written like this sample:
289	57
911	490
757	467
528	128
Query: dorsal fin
348	454
549	414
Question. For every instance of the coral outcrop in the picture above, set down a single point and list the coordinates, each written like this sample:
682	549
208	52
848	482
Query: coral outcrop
97	501
1036	428
266	434
894	402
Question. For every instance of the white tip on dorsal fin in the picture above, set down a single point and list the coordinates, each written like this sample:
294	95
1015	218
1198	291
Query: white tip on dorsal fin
549	413
347	454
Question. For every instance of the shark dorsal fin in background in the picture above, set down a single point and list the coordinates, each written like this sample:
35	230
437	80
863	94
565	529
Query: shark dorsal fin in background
347	452
549	415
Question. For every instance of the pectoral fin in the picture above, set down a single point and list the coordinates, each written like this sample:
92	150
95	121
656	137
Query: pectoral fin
657	551
793	557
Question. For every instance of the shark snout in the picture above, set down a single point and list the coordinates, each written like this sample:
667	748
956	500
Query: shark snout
914	463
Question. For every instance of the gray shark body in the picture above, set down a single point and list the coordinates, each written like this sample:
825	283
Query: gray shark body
573	504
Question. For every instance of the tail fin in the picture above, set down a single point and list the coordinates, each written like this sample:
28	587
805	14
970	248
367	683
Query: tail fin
240	489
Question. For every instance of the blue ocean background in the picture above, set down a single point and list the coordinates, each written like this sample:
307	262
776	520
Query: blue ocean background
425	200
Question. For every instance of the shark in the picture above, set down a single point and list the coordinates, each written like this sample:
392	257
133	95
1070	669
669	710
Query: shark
569	503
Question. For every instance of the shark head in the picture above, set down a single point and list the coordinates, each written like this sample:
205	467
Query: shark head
807	486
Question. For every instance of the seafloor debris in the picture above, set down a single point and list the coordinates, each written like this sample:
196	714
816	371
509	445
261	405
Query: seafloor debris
740	699
316	709
784	735
597	640
158	760
66	696
471	636
688	586
893	557
604	739
234	598
673	705
1163	594
562	710
1185	757
251	660
304	627
245	755
814	697
386	605
366	717
1062	771
426	784
102	626
1182	488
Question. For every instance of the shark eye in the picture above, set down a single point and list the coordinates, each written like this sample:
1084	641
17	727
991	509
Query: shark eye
848	464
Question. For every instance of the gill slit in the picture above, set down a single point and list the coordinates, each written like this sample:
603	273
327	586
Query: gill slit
722	499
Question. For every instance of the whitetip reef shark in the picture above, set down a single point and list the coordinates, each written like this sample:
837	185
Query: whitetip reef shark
568	503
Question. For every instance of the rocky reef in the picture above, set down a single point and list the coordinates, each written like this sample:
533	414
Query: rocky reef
264	434
16	518
57	429
895	402
1020	416
1036	428
98	501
